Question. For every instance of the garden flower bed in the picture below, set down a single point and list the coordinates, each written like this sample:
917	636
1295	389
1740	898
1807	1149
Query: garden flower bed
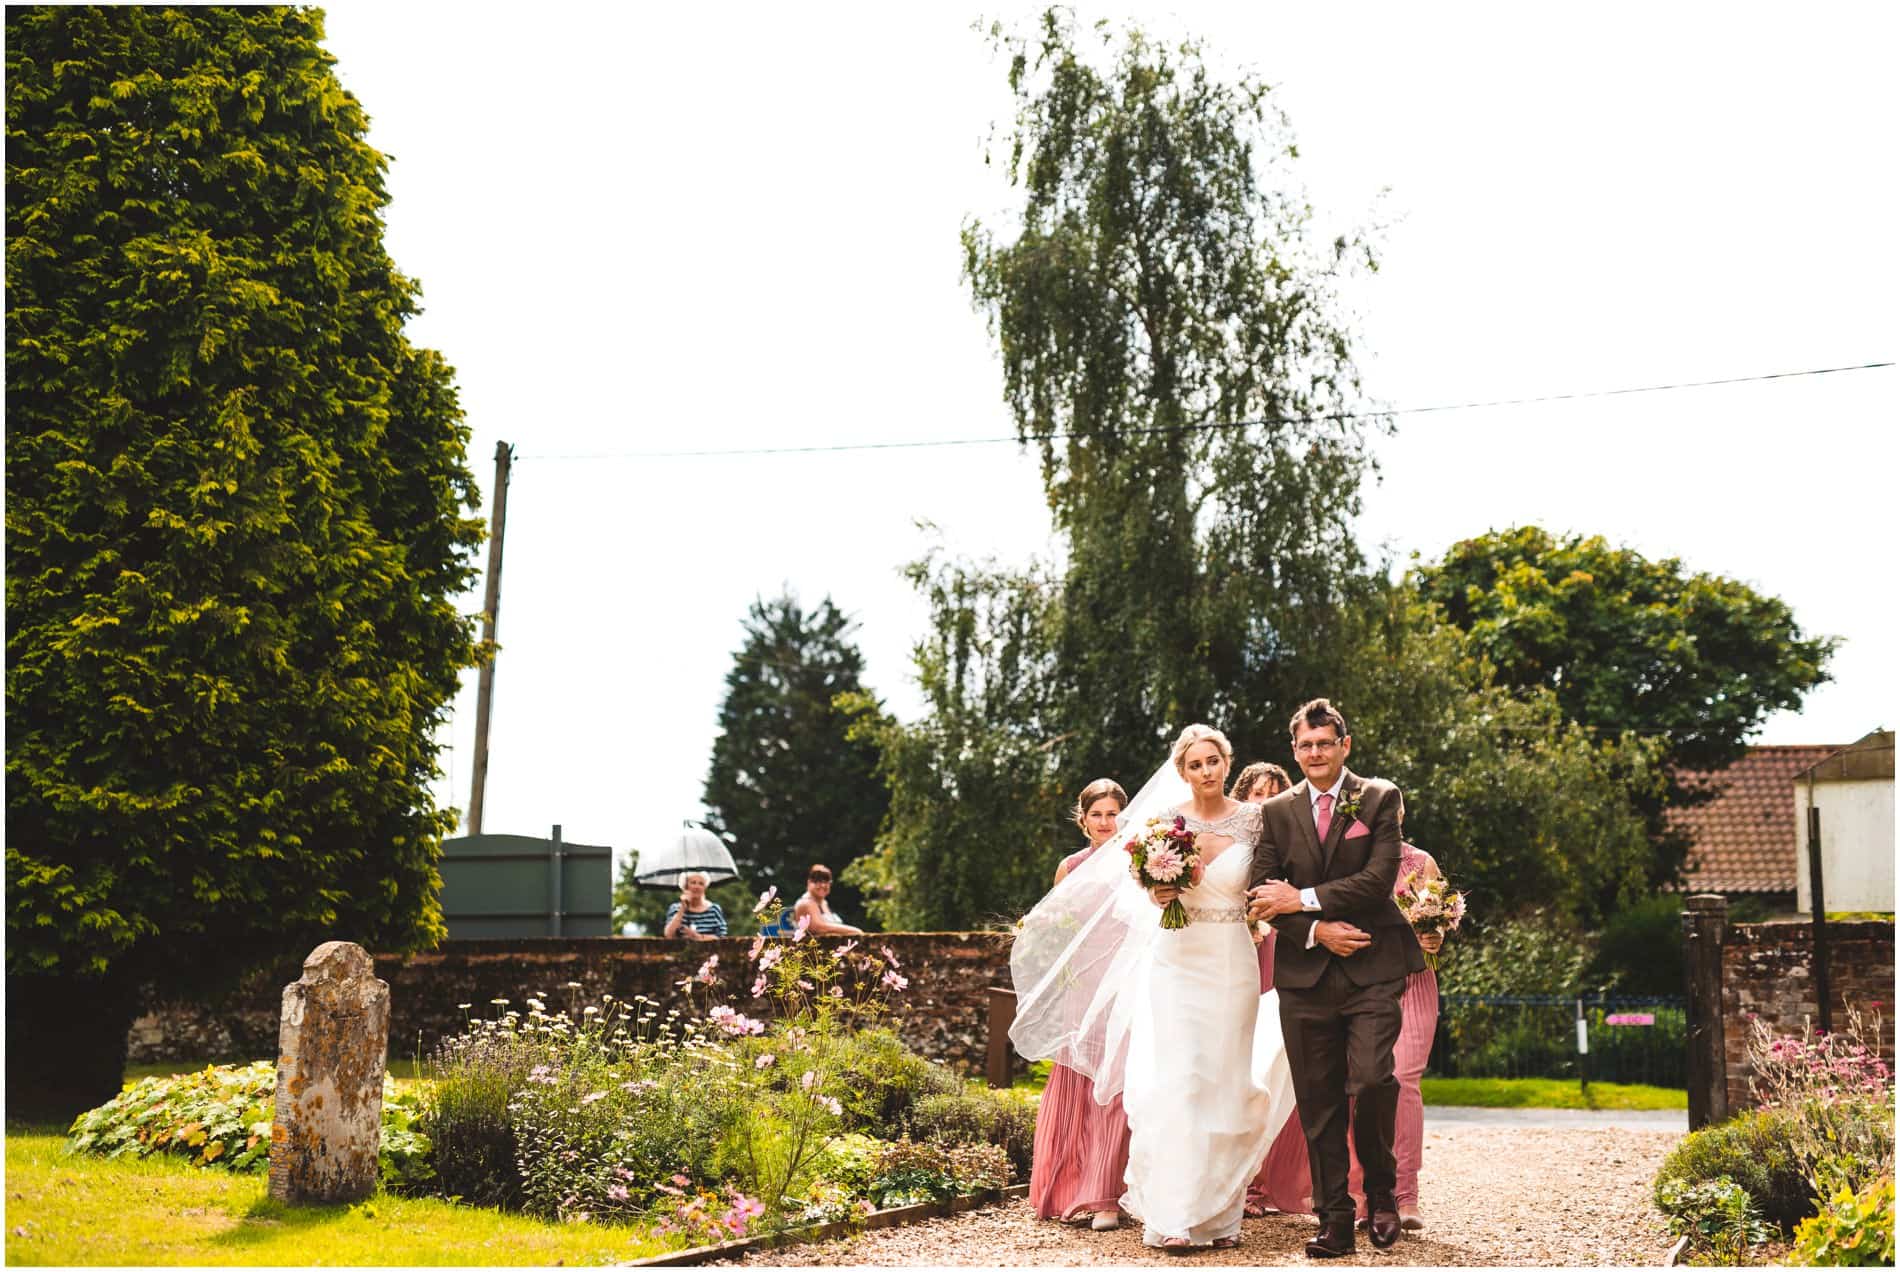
697	1124
1809	1174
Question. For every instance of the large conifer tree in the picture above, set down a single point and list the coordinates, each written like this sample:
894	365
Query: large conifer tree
787	786
236	519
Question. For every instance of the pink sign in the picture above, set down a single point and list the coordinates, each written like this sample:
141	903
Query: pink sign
1631	1018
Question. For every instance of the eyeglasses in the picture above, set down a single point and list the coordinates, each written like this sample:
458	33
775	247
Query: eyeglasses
1309	748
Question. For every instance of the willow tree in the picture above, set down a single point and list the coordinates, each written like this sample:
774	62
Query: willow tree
1174	346
236	520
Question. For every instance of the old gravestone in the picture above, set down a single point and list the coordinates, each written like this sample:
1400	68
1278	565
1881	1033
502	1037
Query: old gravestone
332	1039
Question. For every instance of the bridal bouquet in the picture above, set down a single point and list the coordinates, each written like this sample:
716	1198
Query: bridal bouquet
1161	856
1431	907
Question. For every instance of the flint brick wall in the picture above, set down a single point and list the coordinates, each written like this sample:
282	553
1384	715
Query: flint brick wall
943	1013
1768	972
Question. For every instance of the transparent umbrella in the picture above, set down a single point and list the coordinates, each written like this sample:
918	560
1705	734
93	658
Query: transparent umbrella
694	849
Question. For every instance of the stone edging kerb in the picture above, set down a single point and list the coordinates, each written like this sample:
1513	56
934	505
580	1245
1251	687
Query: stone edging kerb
893	1218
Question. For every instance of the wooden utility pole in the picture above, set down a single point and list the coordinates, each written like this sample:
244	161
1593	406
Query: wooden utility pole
491	608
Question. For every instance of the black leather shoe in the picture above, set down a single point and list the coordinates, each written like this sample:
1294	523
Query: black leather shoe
1333	1242
1384	1219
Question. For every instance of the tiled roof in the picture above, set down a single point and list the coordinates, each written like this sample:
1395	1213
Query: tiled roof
1744	839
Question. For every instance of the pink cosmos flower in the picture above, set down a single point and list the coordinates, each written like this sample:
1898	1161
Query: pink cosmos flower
798	929
617	1191
807	1079
707	971
758	987
895	982
765	898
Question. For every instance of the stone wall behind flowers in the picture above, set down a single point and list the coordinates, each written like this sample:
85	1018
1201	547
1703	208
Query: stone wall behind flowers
1768	972
943	1013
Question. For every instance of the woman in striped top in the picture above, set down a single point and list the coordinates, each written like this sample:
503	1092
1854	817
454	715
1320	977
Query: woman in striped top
693	916
1081	1150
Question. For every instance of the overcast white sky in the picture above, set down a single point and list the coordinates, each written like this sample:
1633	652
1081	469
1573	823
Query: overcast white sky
645	229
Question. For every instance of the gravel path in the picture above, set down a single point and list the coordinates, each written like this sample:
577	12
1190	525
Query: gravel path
1492	1196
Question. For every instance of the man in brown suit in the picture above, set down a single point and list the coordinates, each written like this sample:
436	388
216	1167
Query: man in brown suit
1324	871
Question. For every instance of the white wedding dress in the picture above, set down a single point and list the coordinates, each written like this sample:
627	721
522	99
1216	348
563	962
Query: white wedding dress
1207	1084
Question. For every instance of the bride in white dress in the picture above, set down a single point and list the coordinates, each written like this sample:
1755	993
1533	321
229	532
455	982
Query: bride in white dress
1173	1021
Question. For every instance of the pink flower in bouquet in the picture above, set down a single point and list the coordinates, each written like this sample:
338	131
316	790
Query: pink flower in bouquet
1165	865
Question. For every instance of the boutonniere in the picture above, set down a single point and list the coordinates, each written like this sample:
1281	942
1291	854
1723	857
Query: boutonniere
1348	806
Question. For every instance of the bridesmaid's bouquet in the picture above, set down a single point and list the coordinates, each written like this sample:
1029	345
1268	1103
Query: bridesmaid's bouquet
1163	856
1431	907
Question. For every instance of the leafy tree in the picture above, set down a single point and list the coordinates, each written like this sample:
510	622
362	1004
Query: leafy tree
1518	805
976	821
1172	343
787	787
1628	643
235	527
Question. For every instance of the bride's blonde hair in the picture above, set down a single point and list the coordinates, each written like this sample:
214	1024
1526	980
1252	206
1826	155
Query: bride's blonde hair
1200	733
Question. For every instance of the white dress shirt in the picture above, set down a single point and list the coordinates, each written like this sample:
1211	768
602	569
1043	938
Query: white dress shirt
1309	900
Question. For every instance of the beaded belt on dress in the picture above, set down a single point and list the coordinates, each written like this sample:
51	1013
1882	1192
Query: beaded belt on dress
1228	914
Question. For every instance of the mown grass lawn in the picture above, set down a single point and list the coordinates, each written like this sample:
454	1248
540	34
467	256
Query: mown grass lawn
1549	1093
63	1209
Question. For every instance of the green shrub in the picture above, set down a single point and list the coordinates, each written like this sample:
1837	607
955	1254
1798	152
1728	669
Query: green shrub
221	1116
1784	1156
850	1160
592	1140
473	1077
1639	950
911	1172
1717	1215
406	1165
887	1078
1754	1150
1531	953
976	1115
1853	1230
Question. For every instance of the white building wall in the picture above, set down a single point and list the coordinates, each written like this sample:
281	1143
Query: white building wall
1857	845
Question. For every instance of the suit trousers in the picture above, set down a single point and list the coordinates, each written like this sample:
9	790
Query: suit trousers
1339	1039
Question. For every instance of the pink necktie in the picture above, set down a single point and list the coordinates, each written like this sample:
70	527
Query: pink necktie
1323	816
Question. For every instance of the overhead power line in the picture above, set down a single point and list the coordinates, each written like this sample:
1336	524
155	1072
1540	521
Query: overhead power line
1213	427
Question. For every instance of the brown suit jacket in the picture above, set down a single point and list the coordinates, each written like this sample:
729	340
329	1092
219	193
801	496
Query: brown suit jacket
1351	875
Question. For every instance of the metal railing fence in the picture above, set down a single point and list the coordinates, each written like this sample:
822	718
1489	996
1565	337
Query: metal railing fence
1630	1038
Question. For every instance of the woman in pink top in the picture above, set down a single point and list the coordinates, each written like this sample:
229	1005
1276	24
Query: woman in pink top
1081	1150
1284	1181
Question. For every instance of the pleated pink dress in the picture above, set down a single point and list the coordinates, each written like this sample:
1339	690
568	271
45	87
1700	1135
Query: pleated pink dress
1081	1148
1284	1181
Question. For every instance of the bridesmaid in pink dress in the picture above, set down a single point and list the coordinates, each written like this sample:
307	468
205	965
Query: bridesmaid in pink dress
1284	1181
1258	783
1081	1150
